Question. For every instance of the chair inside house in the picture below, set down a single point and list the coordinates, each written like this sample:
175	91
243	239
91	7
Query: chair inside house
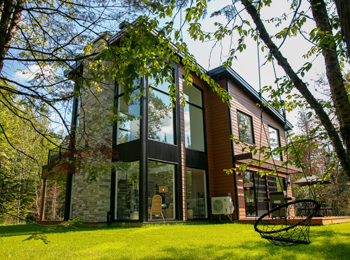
277	199
156	208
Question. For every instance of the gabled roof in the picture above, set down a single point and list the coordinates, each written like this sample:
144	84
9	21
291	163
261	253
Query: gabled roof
221	72
217	74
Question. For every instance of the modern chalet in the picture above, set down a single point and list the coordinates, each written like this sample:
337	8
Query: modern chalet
173	158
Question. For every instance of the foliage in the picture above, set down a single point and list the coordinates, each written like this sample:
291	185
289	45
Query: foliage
173	242
20	170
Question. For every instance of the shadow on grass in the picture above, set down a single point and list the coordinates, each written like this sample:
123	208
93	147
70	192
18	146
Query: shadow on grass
29	229
328	247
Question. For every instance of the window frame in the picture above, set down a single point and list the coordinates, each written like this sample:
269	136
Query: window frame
116	103
251	124
203	117
278	141
148	86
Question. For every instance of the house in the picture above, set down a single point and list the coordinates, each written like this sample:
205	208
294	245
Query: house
176	155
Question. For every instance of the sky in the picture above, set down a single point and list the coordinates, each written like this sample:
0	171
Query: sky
247	63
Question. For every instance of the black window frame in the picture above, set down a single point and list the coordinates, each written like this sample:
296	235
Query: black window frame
174	109
252	127
116	98
278	140
203	116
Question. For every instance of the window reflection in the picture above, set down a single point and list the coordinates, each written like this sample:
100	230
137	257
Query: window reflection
274	143
196	193
128	125
245	128
193	117
160	117
127	191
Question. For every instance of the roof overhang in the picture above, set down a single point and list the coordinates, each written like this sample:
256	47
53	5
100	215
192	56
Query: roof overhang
221	72
268	165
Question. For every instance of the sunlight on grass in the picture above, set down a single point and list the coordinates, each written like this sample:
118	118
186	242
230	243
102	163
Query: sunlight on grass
225	241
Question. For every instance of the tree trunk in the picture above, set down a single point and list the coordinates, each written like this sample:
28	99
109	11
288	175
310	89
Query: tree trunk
343	8
334	75
11	14
302	87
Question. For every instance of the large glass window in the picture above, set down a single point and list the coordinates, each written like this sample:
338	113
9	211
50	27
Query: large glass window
160	114
193	116
127	191
245	127
255	194
128	124
249	193
161	191
196	193
274	143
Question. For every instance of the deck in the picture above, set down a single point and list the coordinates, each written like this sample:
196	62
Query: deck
314	221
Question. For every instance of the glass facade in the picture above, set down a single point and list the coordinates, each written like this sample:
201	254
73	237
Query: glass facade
274	142
127	191
161	190
128	124
196	193
245	127
255	194
193	116
160	115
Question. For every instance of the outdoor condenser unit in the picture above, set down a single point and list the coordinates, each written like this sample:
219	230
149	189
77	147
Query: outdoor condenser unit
221	205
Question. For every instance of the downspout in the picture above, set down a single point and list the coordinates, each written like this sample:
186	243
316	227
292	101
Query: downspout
233	154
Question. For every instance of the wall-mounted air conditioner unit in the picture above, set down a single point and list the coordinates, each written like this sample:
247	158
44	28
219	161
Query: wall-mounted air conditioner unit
221	205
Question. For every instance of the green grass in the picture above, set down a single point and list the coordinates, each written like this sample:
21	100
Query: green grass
225	241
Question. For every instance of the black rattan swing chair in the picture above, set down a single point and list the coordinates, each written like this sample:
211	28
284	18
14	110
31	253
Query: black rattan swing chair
280	225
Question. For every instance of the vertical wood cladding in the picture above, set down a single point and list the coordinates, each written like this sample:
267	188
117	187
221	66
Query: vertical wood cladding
221	148
218	142
241	102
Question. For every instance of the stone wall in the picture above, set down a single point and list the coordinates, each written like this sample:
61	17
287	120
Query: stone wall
91	200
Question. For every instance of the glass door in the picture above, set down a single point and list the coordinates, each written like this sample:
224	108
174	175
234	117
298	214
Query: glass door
161	191
255	194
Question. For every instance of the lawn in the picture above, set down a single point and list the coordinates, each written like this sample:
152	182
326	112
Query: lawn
224	241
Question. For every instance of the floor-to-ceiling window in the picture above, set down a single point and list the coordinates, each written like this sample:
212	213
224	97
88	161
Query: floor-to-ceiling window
160	113
255	193
161	190
196	193
127	191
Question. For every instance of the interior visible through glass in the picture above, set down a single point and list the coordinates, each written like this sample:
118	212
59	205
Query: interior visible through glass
196	193
127	191
161	192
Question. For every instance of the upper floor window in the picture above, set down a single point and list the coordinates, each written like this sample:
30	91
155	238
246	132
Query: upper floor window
245	127
193	116
274	143
160	113
128	125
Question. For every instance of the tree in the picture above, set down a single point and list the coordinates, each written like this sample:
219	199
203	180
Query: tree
317	158
20	174
328	36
